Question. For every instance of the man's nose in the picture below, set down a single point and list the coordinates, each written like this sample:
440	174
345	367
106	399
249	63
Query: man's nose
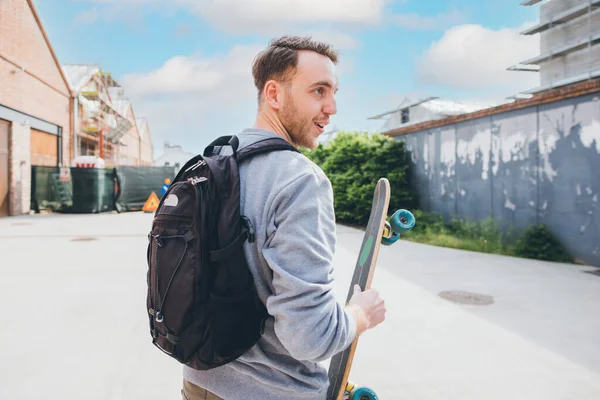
330	107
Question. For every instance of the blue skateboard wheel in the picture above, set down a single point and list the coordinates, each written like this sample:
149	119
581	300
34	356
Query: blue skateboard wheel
363	393
402	221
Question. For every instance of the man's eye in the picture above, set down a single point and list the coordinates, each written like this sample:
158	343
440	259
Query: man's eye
319	91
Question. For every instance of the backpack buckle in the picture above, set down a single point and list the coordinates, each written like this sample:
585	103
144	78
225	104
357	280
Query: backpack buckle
189	236
250	229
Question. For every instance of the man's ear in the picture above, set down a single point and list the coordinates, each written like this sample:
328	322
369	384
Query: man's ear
272	94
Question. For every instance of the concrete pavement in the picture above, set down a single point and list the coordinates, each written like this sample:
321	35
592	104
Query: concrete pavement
538	340
75	325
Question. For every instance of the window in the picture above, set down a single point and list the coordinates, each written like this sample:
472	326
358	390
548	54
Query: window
404	115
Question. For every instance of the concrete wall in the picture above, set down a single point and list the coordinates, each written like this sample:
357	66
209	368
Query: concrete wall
535	165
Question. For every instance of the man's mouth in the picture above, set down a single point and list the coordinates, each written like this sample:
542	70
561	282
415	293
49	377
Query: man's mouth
321	125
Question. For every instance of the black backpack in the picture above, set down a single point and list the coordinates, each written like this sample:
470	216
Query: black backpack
202	303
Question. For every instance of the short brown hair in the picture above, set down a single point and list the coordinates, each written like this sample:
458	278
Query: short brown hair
281	57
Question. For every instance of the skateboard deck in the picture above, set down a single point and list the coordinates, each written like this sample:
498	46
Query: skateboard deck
340	365
378	231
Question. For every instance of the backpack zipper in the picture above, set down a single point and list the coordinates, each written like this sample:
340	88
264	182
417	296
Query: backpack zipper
187	237
155	310
194	180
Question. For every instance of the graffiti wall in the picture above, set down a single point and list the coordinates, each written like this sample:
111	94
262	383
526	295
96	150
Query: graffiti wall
529	166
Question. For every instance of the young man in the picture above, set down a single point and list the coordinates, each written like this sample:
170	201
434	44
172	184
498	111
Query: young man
289	200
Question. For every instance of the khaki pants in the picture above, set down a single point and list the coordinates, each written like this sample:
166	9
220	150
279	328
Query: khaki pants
194	392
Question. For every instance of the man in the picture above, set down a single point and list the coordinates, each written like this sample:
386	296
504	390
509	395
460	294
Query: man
289	201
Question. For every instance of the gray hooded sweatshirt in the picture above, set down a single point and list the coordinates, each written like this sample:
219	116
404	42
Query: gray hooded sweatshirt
289	200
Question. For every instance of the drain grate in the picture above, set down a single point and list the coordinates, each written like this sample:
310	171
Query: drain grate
83	239
464	297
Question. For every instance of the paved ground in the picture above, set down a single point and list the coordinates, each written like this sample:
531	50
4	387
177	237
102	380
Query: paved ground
75	325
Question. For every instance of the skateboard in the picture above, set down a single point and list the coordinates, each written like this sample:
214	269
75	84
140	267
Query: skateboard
378	231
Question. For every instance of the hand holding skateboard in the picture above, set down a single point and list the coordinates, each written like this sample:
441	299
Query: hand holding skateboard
370	308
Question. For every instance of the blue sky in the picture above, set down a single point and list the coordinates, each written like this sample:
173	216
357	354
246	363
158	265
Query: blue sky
185	64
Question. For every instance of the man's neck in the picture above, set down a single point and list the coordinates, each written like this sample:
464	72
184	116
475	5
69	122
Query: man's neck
270	122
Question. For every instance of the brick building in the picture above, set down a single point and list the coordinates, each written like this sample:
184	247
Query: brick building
35	105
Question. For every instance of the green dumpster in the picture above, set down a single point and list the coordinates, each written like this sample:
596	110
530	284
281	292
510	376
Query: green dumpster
93	190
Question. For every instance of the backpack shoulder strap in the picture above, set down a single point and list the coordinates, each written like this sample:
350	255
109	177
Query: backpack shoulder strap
264	146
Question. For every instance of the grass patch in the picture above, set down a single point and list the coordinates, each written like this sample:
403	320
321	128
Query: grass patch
485	236
447	240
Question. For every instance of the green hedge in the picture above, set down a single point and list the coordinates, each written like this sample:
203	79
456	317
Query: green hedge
354	162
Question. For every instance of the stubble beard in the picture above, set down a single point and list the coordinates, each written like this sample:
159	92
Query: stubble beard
299	130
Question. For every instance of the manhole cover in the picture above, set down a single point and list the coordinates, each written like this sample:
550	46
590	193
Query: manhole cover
463	297
83	239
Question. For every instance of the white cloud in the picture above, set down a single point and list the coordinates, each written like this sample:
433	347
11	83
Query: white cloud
195	74
308	11
263	16
472	57
415	21
270	18
267	10
190	100
242	16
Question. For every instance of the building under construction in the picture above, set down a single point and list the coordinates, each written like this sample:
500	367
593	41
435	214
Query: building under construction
104	119
98	125
569	32
51	114
530	161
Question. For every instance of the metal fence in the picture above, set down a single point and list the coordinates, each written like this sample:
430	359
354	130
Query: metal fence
95	190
